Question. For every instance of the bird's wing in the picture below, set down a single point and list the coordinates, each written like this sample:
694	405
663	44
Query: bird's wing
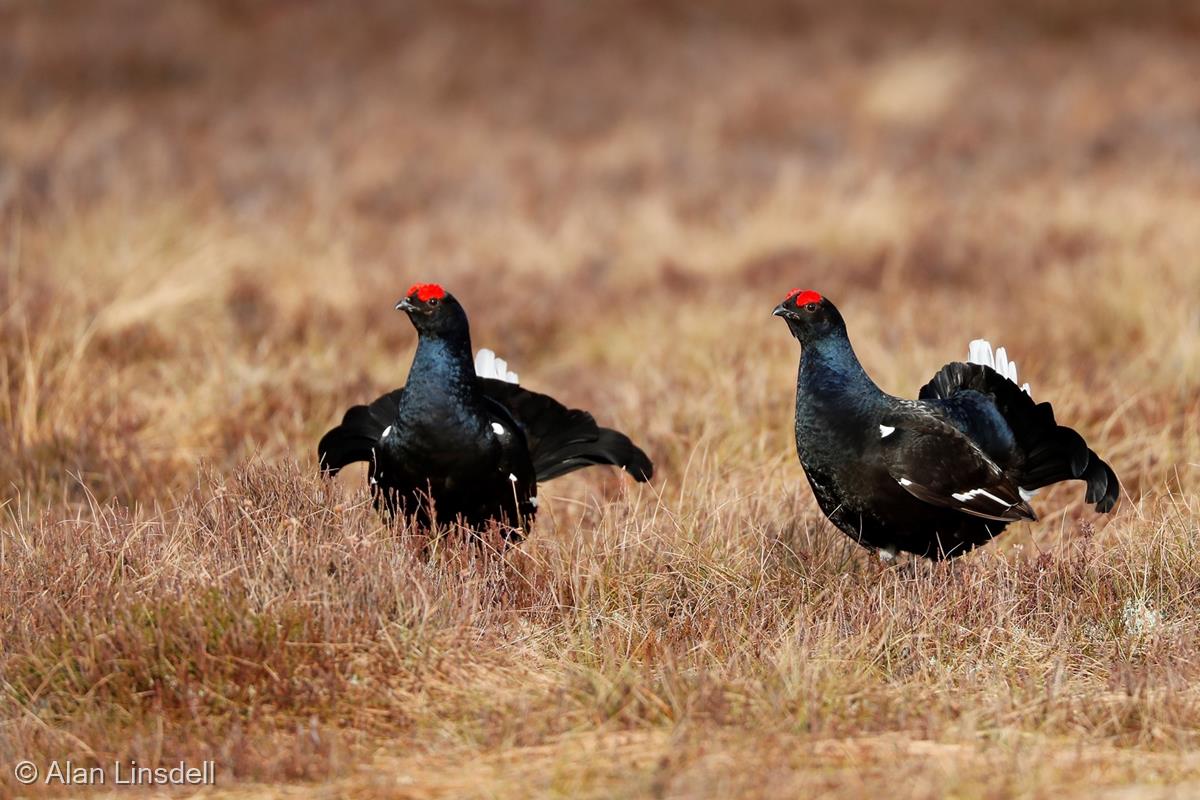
355	439
1052	452
563	439
935	462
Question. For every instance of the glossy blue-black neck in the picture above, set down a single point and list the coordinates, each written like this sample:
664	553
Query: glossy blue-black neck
442	376
829	367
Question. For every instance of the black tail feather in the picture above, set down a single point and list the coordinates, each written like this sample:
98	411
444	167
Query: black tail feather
1103	486
1053	452
355	439
562	439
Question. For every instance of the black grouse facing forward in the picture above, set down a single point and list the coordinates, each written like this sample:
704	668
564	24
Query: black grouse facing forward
935	476
461	440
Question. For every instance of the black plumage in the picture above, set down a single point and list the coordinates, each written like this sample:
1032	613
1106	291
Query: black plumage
936	476
455	445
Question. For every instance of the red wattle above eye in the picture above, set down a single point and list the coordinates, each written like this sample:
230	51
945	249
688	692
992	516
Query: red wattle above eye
426	291
803	298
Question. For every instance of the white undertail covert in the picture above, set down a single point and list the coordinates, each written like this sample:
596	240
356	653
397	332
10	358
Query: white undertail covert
488	366
980	352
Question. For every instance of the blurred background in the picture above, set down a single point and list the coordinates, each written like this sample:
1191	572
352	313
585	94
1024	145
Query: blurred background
208	209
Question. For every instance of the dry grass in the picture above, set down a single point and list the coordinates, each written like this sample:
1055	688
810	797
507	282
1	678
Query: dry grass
206	209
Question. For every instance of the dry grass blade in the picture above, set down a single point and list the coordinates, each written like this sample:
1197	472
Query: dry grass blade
207	209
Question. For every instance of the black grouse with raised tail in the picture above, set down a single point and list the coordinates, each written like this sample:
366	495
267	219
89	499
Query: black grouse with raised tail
462	440
936	476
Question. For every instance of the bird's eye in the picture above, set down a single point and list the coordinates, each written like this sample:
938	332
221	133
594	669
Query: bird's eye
433	301
810	307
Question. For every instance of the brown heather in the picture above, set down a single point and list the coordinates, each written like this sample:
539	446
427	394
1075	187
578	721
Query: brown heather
206	210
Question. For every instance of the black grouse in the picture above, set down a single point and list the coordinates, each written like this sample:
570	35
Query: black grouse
935	476
461	440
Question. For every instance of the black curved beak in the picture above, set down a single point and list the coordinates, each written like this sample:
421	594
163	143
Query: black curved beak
406	306
783	311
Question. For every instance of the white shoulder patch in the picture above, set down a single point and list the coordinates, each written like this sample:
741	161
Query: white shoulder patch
886	431
979	351
497	428
488	366
386	432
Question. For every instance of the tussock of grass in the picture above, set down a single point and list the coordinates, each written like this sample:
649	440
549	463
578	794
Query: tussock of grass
193	288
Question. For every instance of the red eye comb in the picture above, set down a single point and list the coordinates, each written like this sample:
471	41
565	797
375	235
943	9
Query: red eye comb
802	297
426	291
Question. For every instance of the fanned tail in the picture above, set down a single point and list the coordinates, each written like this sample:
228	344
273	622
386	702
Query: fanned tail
562	439
1053	452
